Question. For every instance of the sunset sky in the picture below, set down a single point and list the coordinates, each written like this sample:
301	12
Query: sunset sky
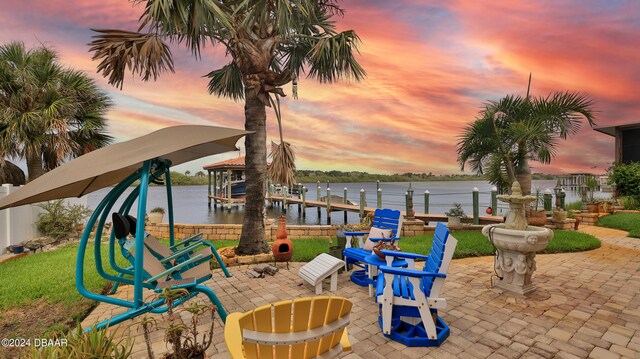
430	65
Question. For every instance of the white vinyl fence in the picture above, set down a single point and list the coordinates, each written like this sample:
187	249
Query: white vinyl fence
18	224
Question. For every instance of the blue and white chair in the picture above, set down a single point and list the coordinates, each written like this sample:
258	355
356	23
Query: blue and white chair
383	219
409	293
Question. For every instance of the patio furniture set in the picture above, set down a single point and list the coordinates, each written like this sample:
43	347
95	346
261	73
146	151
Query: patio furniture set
315	326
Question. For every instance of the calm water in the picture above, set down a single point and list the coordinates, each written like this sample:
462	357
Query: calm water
190	202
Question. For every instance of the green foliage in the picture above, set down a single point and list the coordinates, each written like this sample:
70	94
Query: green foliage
61	220
629	222
592	186
626	177
49	113
513	130
573	206
312	176
91	344
157	210
456	211
179	179
630	202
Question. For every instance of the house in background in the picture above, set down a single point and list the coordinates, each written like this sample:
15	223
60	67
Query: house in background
627	141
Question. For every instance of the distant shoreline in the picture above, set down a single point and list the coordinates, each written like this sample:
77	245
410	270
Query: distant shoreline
306	176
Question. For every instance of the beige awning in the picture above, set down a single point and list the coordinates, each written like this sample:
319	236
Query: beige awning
109	165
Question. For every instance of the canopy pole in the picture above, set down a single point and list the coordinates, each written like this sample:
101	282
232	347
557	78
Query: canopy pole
113	194
138	270
124	210
167	178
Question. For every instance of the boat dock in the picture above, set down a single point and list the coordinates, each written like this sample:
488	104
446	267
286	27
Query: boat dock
304	204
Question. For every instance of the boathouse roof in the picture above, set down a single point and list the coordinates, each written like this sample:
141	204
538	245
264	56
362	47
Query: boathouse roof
231	164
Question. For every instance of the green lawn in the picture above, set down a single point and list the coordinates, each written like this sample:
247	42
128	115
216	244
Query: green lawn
474	244
38	295
629	222
49	275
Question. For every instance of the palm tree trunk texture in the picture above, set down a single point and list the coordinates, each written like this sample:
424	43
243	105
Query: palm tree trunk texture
252	239
523	175
34	165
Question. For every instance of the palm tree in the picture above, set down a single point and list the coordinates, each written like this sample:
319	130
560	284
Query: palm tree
514	130
269	42
47	113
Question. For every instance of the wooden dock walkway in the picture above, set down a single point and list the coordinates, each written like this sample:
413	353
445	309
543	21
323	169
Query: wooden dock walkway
227	201
342	207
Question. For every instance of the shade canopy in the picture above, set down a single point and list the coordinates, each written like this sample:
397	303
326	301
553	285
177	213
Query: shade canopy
109	165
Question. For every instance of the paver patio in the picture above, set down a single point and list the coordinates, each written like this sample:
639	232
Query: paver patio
587	305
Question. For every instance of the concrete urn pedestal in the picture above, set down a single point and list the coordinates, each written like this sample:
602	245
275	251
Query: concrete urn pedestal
516	253
516	243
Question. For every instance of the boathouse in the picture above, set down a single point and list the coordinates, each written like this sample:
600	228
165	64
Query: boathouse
226	182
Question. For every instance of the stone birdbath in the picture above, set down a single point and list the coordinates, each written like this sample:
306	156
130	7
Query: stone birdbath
516	243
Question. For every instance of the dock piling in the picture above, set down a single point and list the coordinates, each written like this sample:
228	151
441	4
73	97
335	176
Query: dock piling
328	205
426	201
363	199
494	201
304	202
285	192
476	205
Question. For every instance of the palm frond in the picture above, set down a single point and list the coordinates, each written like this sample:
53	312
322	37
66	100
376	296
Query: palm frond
194	22
283	165
226	82
332	58
563	112
145	54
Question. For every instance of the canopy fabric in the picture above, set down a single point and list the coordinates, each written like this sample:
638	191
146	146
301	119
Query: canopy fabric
109	165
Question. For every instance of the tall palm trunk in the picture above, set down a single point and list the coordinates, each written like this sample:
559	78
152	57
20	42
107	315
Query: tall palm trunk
523	174
252	239
34	165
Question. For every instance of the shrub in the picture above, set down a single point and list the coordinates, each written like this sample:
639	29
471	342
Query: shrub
626	177
456	211
60	220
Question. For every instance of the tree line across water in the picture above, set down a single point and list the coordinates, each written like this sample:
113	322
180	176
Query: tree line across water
310	176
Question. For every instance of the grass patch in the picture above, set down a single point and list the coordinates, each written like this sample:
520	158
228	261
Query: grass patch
474	244
571	241
38	295
50	276
629	222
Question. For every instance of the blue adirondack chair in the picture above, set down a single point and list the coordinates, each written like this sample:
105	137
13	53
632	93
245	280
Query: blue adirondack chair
407	292
383	219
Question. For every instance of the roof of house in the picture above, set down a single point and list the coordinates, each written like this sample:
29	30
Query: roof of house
611	130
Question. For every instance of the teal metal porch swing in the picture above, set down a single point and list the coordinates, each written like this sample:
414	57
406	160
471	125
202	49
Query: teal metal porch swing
145	159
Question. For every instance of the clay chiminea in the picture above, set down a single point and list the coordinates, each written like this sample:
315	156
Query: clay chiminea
282	247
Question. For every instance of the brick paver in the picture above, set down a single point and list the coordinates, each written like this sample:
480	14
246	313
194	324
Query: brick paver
587	305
